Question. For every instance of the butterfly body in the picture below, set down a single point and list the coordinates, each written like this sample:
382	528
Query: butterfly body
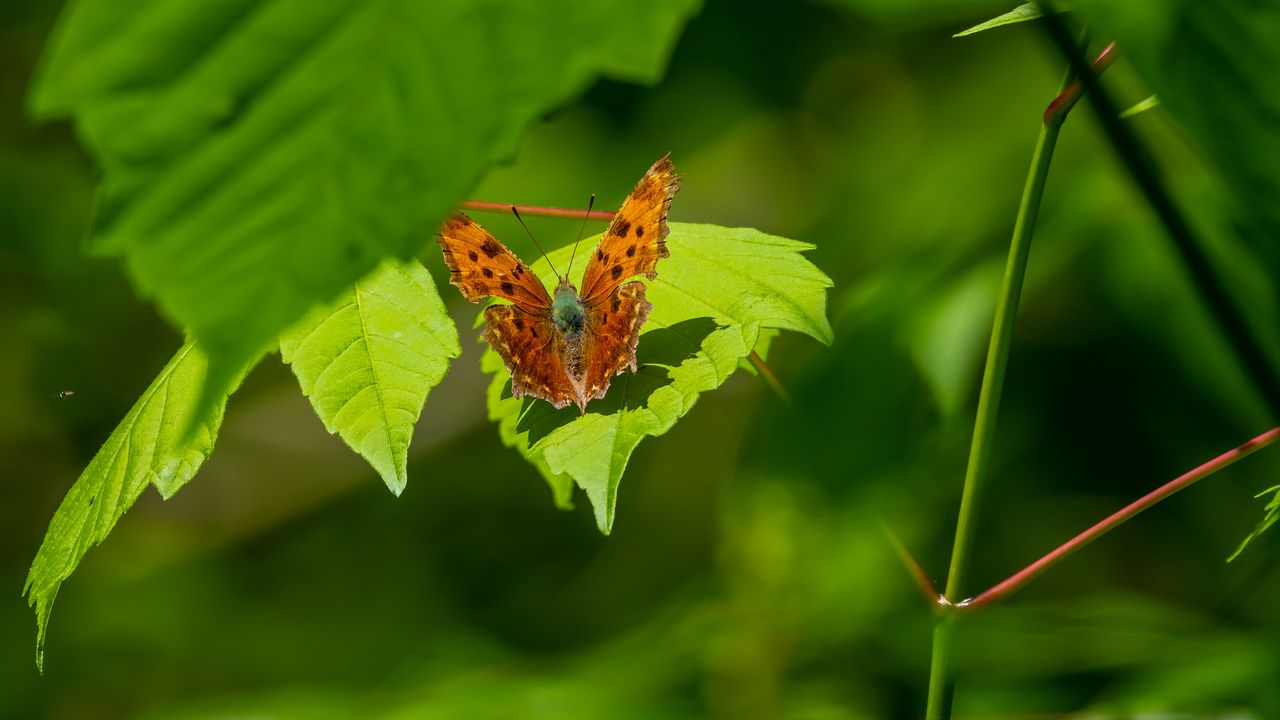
566	309
567	346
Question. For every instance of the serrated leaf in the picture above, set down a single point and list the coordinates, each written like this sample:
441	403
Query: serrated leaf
150	446
1141	106
712	300
1022	13
1269	517
260	157
368	361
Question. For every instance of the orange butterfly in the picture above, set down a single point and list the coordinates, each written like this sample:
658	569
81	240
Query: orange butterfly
568	347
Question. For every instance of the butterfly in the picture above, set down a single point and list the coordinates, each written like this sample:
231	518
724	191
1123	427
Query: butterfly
567	346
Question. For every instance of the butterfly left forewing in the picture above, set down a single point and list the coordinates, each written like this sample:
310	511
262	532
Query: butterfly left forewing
636	238
481	267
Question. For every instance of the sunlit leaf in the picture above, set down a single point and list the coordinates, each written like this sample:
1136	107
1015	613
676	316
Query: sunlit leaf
368	361
259	157
1022	13
151	446
712	300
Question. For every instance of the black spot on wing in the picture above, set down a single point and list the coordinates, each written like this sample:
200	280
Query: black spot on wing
487	272
620	227
616	272
508	288
631	251
474	257
639	231
490	247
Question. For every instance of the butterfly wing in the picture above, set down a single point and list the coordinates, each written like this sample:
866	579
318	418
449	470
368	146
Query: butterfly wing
615	330
636	239
482	267
534	353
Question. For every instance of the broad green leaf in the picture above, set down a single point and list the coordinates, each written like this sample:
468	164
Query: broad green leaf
713	300
368	361
1141	106
1270	515
260	157
151	446
1022	13
1214	67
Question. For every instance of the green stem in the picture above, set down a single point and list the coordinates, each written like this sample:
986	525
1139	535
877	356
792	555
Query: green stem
940	680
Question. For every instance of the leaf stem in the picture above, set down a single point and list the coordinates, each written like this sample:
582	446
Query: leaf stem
1124	140
770	378
534	210
941	683
1016	581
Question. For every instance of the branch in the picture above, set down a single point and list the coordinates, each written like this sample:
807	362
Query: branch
1016	581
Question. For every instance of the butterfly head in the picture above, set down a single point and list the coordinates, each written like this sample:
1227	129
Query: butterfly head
566	308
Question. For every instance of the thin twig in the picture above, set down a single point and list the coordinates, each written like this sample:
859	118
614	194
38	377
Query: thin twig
534	210
1016	581
1068	98
917	573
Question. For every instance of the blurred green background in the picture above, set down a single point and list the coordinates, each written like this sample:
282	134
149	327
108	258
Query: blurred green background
747	575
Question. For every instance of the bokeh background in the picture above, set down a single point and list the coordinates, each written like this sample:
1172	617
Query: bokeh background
747	575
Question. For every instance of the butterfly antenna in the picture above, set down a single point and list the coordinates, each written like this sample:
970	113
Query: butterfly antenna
590	204
516	212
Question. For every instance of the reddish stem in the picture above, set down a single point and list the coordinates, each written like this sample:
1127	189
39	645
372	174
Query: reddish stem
1067	99
1030	572
917	573
604	215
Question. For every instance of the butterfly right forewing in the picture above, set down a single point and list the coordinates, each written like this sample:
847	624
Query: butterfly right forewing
481	267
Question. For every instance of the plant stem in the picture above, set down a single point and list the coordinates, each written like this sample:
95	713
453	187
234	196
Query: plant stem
1240	336
1016	581
941	684
537	211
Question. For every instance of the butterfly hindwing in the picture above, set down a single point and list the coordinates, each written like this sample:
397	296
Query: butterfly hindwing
610	347
636	238
534	353
481	267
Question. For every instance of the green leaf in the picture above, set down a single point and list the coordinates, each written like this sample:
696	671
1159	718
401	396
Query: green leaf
713	301
368	361
1141	106
151	446
1270	514
260	157
1214	67
1022	13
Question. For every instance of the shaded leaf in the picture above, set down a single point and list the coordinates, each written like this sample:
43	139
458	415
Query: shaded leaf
368	361
260	157
1270	514
1022	13
712	300
151	446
